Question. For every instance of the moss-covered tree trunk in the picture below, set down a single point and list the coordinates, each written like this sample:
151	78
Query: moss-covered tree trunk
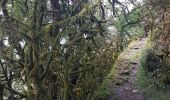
36	71
1	91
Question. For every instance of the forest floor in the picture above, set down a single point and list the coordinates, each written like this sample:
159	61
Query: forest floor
127	65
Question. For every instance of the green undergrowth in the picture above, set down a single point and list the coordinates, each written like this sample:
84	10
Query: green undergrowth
104	91
151	87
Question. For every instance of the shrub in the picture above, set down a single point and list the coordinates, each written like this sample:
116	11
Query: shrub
155	68
152	62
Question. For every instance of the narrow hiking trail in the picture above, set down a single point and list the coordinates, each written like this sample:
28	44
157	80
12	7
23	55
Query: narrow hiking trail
128	66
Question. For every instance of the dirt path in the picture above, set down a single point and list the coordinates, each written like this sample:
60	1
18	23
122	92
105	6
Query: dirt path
128	66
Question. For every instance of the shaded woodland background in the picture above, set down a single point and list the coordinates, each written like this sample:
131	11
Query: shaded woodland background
64	49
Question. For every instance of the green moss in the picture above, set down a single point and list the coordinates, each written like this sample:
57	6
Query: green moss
104	91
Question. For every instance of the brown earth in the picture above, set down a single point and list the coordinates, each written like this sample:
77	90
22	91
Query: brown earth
128	66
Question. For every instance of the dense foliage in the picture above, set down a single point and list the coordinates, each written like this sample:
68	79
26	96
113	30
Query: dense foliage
52	49
60	49
157	57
